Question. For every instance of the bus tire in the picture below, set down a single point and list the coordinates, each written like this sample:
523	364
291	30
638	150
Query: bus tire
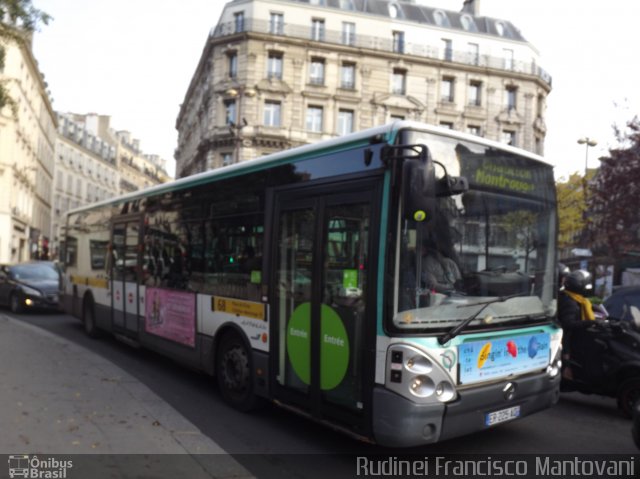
233	372
89	319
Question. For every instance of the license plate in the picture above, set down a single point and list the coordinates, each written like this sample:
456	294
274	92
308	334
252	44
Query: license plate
502	415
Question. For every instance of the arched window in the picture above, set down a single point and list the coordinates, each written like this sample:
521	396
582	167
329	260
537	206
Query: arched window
395	11
441	18
468	23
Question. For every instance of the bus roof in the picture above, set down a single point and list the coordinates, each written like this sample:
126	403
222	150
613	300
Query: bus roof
386	133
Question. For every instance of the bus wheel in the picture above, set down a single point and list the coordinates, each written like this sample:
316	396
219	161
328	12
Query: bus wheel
233	373
15	304
89	319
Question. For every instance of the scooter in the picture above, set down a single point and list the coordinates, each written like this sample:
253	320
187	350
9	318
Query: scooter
605	360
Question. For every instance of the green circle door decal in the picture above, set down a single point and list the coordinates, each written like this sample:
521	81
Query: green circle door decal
334	345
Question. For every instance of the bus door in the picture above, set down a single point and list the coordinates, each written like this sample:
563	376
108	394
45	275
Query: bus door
321	287
125	240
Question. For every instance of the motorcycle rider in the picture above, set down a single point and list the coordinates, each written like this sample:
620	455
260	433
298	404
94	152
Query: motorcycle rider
575	314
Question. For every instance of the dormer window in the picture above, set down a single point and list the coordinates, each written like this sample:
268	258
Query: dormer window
441	18
346	5
395	11
468	24
500	28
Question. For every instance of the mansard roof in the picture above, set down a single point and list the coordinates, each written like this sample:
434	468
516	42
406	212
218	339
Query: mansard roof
410	12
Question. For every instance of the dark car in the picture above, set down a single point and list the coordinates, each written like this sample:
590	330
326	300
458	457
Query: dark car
619	304
32	285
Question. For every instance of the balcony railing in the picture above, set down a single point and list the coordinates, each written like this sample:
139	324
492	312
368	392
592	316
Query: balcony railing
386	45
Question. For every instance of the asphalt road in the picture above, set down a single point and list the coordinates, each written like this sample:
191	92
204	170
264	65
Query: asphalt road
579	424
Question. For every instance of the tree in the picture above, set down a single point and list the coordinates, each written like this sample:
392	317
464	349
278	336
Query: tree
571	211
17	18
615	196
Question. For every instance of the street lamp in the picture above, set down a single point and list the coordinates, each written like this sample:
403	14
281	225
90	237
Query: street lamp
238	93
587	142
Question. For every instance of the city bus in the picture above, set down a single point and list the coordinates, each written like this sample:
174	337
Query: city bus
301	278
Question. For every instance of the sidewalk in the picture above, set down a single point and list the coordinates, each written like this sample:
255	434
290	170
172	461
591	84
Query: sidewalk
57	398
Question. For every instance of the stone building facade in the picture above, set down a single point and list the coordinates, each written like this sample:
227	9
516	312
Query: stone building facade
281	73
27	142
94	162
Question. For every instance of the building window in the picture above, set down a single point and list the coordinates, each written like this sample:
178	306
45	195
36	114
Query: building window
441	18
446	89
500	28
276	23
346	5
398	42
274	65
447	49
474	93
271	113
345	122
540	106
314	119
348	76
396	117
233	64
511	97
538	146
474	53
227	159
394	10
316	71
474	130
230	112
238	21
348	33
508	58
468	23
446	124
317	29
399	81
509	137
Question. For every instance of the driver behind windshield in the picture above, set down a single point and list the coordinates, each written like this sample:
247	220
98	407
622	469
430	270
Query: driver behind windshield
440	272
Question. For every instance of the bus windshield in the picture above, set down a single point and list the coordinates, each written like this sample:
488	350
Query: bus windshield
494	243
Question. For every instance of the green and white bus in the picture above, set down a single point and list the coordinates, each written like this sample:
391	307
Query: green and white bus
300	278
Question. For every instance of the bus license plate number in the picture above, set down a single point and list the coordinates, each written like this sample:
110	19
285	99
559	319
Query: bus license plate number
502	415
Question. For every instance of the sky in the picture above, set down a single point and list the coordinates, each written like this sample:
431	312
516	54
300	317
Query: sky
134	59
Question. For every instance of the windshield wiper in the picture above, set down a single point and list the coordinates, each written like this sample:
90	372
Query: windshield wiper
459	327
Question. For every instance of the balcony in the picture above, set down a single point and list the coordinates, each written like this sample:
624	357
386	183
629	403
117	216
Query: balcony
433	52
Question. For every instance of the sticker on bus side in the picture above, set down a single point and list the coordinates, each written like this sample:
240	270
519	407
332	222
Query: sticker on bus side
494	358
238	307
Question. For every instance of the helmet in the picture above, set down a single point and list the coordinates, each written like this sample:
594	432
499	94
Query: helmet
578	281
563	272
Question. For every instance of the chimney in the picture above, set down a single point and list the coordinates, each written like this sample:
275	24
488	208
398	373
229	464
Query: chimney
472	7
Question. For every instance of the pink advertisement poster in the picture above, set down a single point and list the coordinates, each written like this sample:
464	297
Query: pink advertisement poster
171	314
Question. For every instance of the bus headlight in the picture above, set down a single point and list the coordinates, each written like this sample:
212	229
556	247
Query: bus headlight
416	376
422	386
445	391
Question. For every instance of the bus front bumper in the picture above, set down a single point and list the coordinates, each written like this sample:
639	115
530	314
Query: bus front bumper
400	422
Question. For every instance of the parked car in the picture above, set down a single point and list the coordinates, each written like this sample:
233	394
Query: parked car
619	304
32	285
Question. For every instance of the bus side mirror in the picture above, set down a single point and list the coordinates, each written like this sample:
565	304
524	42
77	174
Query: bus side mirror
418	186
